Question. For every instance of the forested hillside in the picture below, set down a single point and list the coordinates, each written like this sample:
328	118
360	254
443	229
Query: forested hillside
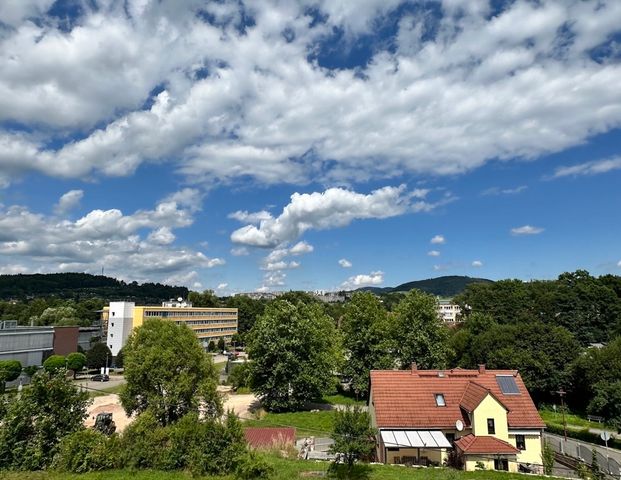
84	285
447	286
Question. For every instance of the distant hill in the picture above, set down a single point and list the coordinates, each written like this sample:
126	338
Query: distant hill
447	286
84	285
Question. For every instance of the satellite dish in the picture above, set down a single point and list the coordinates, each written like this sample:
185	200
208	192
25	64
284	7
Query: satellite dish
180	299
605	436
459	425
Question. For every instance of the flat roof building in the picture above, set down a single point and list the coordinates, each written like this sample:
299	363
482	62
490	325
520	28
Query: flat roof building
209	324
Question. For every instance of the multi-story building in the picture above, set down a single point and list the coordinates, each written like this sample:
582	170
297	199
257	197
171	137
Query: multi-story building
448	311
485	417
209	324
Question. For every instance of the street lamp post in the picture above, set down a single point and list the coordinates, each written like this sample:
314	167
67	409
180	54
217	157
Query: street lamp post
562	393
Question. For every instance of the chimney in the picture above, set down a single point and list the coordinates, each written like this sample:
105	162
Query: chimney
414	368
482	368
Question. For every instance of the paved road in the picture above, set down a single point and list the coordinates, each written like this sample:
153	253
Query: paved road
115	380
583	450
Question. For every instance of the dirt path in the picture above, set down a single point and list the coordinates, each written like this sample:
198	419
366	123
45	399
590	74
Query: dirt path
240	404
111	404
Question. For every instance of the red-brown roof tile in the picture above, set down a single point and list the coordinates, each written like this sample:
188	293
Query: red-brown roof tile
267	437
471	445
406	399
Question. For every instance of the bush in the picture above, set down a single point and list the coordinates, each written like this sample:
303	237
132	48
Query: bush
200	446
54	363
252	466
240	376
86	451
31	370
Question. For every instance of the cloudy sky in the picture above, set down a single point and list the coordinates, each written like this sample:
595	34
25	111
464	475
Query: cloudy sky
310	144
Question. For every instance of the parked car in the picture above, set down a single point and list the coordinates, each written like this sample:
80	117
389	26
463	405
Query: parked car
100	378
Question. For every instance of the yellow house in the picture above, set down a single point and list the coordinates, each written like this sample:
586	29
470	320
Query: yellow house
470	419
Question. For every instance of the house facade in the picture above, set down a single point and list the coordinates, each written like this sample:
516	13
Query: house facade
470	418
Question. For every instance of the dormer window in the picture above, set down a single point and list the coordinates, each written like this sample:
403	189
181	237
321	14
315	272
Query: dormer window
440	402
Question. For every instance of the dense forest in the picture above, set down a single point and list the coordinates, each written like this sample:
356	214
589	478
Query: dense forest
83	285
447	286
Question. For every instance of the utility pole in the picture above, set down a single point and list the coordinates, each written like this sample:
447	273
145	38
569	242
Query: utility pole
562	393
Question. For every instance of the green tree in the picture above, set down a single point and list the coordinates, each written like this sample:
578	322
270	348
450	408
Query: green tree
240	376
417	332
206	299
248	310
353	436
119	359
9	371
221	345
547	457
168	373
294	352
75	362
35	421
211	347
366	340
607	401
55	363
99	356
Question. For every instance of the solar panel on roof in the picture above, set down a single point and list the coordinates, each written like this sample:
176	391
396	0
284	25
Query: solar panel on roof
507	384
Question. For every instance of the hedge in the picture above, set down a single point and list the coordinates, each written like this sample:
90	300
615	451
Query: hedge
583	435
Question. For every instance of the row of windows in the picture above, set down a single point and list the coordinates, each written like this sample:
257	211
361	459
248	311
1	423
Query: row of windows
180	313
204	322
213	330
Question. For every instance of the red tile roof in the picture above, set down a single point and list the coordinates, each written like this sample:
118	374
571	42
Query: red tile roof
474	395
405	398
471	445
267	437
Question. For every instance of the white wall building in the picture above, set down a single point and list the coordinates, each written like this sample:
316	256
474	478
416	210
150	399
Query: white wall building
120	324
448	311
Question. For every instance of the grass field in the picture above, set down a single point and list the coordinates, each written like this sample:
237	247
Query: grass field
284	470
317	424
340	399
574	421
105	391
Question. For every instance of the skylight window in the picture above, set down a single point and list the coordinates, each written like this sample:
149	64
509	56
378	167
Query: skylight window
440	402
507	384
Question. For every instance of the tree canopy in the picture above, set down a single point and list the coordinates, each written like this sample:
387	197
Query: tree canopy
418	334
9	371
366	340
34	422
99	356
168	373
294	348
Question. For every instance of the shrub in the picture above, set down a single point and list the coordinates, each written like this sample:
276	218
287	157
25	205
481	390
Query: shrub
54	363
240	376
252	465
86	451
31	370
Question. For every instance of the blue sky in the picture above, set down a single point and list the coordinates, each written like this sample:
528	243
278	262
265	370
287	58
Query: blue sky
310	144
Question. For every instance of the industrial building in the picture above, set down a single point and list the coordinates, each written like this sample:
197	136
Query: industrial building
209	324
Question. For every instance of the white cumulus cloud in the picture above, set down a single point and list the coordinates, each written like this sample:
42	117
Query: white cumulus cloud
68	201
433	253
526	230
477	263
363	280
343	262
336	207
438	240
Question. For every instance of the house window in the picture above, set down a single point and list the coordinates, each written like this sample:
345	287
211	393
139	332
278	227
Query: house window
111	335
440	402
112	324
491	427
501	464
520	442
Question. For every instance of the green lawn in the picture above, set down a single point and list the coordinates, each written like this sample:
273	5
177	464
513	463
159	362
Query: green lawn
284	470
318	424
340	399
575	422
104	391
